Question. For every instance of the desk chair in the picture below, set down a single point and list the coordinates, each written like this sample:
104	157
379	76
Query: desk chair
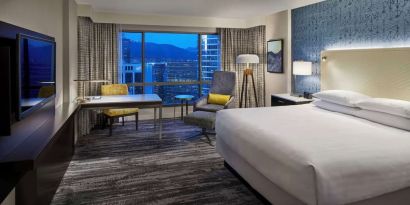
111	114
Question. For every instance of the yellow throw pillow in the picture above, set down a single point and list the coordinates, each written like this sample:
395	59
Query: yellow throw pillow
218	99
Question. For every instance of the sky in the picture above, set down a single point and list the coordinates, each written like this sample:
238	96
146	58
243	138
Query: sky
176	39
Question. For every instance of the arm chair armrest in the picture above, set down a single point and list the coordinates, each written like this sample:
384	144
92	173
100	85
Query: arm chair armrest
230	104
201	101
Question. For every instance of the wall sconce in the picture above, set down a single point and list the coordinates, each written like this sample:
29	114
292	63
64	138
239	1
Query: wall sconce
324	59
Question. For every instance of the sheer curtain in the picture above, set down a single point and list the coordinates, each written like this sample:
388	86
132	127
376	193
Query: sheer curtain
235	41
98	54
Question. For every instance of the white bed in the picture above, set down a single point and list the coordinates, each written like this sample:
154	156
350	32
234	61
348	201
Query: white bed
313	155
307	155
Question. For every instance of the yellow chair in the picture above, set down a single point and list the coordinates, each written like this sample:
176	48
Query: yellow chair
111	114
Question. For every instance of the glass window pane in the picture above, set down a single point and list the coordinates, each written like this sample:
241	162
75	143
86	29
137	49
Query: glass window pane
131	58
210	58
168	92
171	57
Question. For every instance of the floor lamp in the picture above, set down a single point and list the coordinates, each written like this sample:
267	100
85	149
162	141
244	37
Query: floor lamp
248	59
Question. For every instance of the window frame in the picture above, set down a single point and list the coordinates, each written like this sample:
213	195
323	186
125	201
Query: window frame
199	82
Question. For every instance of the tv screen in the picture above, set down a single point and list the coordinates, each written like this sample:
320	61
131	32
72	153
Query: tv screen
36	73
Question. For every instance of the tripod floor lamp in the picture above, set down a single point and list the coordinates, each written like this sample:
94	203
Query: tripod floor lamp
247	59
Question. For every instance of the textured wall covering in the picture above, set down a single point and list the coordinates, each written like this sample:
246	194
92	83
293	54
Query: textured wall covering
346	24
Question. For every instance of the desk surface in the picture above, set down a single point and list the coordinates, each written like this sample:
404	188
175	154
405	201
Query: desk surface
123	100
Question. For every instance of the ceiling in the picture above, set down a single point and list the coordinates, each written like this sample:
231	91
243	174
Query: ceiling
199	8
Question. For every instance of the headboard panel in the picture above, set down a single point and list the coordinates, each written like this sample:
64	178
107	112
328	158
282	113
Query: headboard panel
375	72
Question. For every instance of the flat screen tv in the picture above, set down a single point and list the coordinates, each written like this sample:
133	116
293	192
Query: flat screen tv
36	73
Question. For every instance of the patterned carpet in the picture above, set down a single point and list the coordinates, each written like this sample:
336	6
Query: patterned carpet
131	168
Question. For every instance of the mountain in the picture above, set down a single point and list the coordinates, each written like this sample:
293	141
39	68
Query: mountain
165	51
192	49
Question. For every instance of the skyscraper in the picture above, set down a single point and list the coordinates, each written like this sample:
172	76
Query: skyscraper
211	60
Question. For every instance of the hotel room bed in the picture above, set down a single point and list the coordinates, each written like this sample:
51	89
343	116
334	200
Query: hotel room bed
307	155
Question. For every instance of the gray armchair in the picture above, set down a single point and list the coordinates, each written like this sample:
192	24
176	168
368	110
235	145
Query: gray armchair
223	83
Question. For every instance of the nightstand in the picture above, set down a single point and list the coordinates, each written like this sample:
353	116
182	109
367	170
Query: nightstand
287	99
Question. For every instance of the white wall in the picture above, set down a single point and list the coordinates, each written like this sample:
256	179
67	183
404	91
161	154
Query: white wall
277	27
70	50
157	20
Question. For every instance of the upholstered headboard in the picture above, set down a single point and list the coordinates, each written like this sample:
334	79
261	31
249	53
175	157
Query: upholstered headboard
375	72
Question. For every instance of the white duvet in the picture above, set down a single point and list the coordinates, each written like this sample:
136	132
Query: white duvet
318	156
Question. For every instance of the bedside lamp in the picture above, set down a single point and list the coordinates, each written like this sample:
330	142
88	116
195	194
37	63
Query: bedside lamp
303	68
248	59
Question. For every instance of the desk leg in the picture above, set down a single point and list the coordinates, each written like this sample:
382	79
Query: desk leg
160	122
155	117
182	109
186	107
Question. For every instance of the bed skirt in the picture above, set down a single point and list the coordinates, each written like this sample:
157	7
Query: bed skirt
275	195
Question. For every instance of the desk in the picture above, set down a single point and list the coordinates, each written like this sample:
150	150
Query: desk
127	101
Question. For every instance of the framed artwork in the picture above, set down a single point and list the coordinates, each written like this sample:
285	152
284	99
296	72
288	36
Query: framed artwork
275	56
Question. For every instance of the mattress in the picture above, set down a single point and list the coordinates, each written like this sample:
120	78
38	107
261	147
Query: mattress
319	156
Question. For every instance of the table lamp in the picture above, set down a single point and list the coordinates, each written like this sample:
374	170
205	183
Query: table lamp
248	59
83	81
302	68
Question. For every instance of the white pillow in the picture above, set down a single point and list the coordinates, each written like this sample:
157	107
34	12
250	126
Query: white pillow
385	119
335	107
341	97
390	106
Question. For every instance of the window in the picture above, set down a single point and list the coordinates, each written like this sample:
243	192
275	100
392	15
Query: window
169	64
131	61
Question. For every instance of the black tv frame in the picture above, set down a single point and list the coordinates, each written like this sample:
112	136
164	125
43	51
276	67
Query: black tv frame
5	108
21	115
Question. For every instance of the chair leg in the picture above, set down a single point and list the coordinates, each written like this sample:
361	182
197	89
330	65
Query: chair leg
104	125
136	121
111	122
206	135
123	121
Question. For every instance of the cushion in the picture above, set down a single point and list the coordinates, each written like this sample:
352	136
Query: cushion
120	112
341	97
390	106
335	107
210	107
385	119
218	99
201	119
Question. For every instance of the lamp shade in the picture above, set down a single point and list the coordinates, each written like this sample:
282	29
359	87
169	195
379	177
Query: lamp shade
247	58
302	68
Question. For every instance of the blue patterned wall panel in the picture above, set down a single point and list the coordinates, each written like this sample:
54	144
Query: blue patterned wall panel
346	24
